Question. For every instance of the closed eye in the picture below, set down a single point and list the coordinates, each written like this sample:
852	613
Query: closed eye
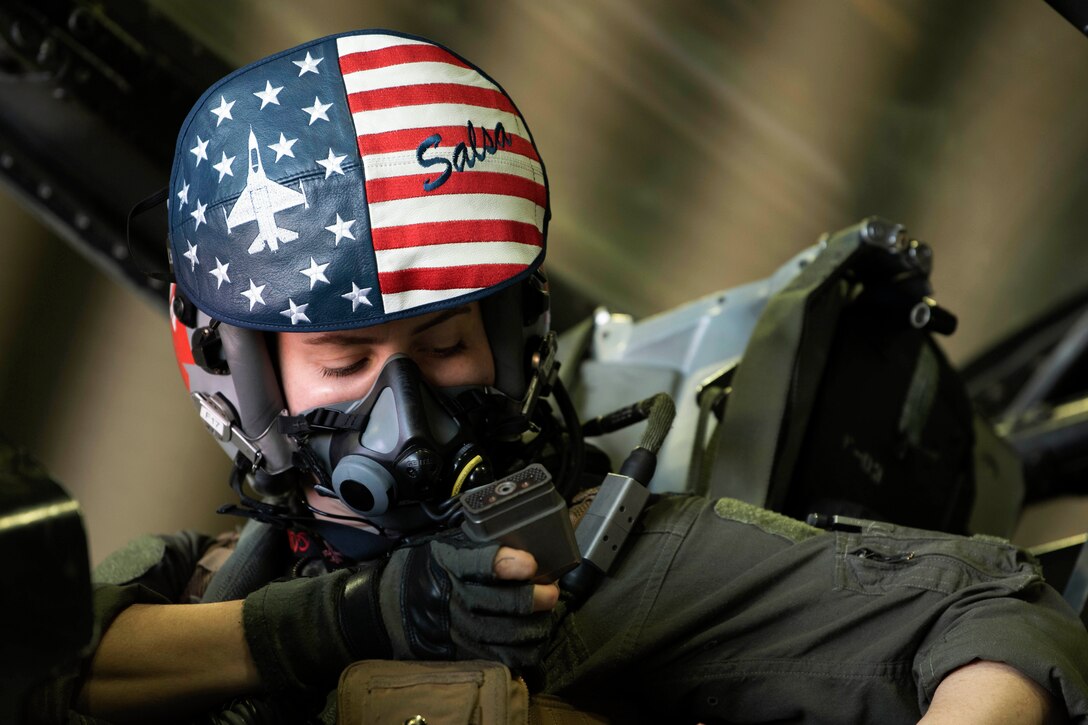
449	351
351	369
362	363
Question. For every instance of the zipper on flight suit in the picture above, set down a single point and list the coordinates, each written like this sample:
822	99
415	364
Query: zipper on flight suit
873	555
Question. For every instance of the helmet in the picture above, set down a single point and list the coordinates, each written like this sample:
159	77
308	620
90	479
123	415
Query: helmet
351	181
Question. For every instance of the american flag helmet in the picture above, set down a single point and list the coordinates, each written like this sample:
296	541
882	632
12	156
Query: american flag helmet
351	181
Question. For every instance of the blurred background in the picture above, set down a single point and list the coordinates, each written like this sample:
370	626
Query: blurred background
691	146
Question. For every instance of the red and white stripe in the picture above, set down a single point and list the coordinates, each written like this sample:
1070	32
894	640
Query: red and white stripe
485	224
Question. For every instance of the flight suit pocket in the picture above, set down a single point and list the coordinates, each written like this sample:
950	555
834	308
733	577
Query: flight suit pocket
884	557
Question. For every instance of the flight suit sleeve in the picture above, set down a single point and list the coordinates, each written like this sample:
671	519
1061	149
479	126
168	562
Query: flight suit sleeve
1030	628
724	611
149	570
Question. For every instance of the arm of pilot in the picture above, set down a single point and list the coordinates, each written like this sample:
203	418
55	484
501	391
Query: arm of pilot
991	693
157	661
168	660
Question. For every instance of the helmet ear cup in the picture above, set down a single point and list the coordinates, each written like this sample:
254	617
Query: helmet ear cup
208	350
184	311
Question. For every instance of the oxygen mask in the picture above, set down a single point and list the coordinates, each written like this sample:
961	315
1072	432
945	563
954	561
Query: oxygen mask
404	442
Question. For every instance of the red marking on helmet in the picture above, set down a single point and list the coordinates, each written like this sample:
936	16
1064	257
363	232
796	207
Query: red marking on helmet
397	55
484	230
418	95
440	278
478	182
183	352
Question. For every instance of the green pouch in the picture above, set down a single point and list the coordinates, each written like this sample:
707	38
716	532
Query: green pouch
472	692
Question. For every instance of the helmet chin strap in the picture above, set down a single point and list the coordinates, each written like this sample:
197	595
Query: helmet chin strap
544	380
543	372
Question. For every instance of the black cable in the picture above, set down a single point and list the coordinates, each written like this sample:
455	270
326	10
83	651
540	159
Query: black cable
445	512
268	513
617	419
159	197
571	473
660	405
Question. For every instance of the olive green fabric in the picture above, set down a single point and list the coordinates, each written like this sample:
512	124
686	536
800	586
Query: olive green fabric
131	561
767	521
723	612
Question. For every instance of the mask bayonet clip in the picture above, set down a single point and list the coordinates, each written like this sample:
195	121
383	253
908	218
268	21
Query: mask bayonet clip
544	370
219	420
257	461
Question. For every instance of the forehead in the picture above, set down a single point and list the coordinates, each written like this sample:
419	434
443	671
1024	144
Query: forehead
465	317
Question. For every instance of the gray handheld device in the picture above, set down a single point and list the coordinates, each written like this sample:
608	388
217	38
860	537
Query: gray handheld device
524	511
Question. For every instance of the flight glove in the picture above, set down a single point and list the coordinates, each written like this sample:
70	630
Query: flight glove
438	600
442	601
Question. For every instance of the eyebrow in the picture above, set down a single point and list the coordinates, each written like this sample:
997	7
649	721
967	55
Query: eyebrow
349	338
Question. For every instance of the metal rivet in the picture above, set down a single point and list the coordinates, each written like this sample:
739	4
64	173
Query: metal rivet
920	315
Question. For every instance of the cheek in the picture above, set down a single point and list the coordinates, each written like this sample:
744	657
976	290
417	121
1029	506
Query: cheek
484	366
474	367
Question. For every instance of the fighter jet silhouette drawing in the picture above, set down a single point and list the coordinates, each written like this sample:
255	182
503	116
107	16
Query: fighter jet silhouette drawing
260	200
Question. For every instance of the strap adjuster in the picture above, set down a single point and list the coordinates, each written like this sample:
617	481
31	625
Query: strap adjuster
321	419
